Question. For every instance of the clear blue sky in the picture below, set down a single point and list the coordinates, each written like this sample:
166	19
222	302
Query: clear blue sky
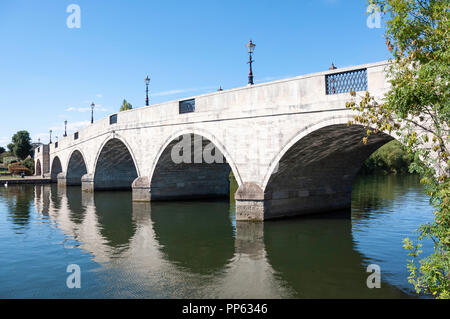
50	73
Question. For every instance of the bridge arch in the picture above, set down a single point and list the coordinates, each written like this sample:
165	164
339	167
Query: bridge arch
38	170
205	134
115	165
76	167
56	169
198	177
315	170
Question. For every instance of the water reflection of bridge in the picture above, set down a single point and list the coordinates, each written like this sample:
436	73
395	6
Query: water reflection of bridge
177	250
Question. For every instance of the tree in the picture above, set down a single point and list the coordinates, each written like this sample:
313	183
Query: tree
125	106
29	163
416	108
21	144
2	150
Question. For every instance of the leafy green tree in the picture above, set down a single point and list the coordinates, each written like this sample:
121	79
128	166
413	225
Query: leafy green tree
125	106
391	158
29	163
21	144
10	147
416	108
2	150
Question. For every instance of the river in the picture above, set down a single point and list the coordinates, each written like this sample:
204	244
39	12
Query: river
197	250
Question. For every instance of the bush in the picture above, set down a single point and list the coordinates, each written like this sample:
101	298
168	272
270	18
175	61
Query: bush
29	163
17	169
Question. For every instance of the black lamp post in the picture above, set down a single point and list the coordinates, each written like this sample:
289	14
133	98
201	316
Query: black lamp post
147	82
65	128
251	48
92	112
50	137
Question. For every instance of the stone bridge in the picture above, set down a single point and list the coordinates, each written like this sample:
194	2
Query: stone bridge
287	143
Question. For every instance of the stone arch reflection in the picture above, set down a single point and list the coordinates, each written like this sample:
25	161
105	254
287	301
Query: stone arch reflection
322	260
199	240
115	219
77	210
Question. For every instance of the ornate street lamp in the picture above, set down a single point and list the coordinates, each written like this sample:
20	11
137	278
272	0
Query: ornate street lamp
50	137
65	128
147	82
92	112
251	48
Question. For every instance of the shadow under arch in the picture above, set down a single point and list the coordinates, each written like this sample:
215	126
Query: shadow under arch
191	164
56	169
38	170
76	168
315	171
115	167
195	236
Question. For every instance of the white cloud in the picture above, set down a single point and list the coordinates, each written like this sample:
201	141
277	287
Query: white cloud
99	95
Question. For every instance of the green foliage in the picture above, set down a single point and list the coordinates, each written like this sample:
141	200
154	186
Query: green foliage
416	108
2	150
125	106
8	159
21	144
29	163
391	158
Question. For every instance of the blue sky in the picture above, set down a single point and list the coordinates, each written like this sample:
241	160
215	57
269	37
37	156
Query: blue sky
51	73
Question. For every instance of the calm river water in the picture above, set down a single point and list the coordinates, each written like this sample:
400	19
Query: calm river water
197	250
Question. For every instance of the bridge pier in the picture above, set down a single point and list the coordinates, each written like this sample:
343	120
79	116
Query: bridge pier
253	205
61	179
87	183
141	189
249	202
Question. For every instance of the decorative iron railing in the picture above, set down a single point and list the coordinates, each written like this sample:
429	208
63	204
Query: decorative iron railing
187	106
344	82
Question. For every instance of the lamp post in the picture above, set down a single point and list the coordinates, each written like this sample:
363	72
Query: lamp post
147	82
251	48
92	112
65	128
50	137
